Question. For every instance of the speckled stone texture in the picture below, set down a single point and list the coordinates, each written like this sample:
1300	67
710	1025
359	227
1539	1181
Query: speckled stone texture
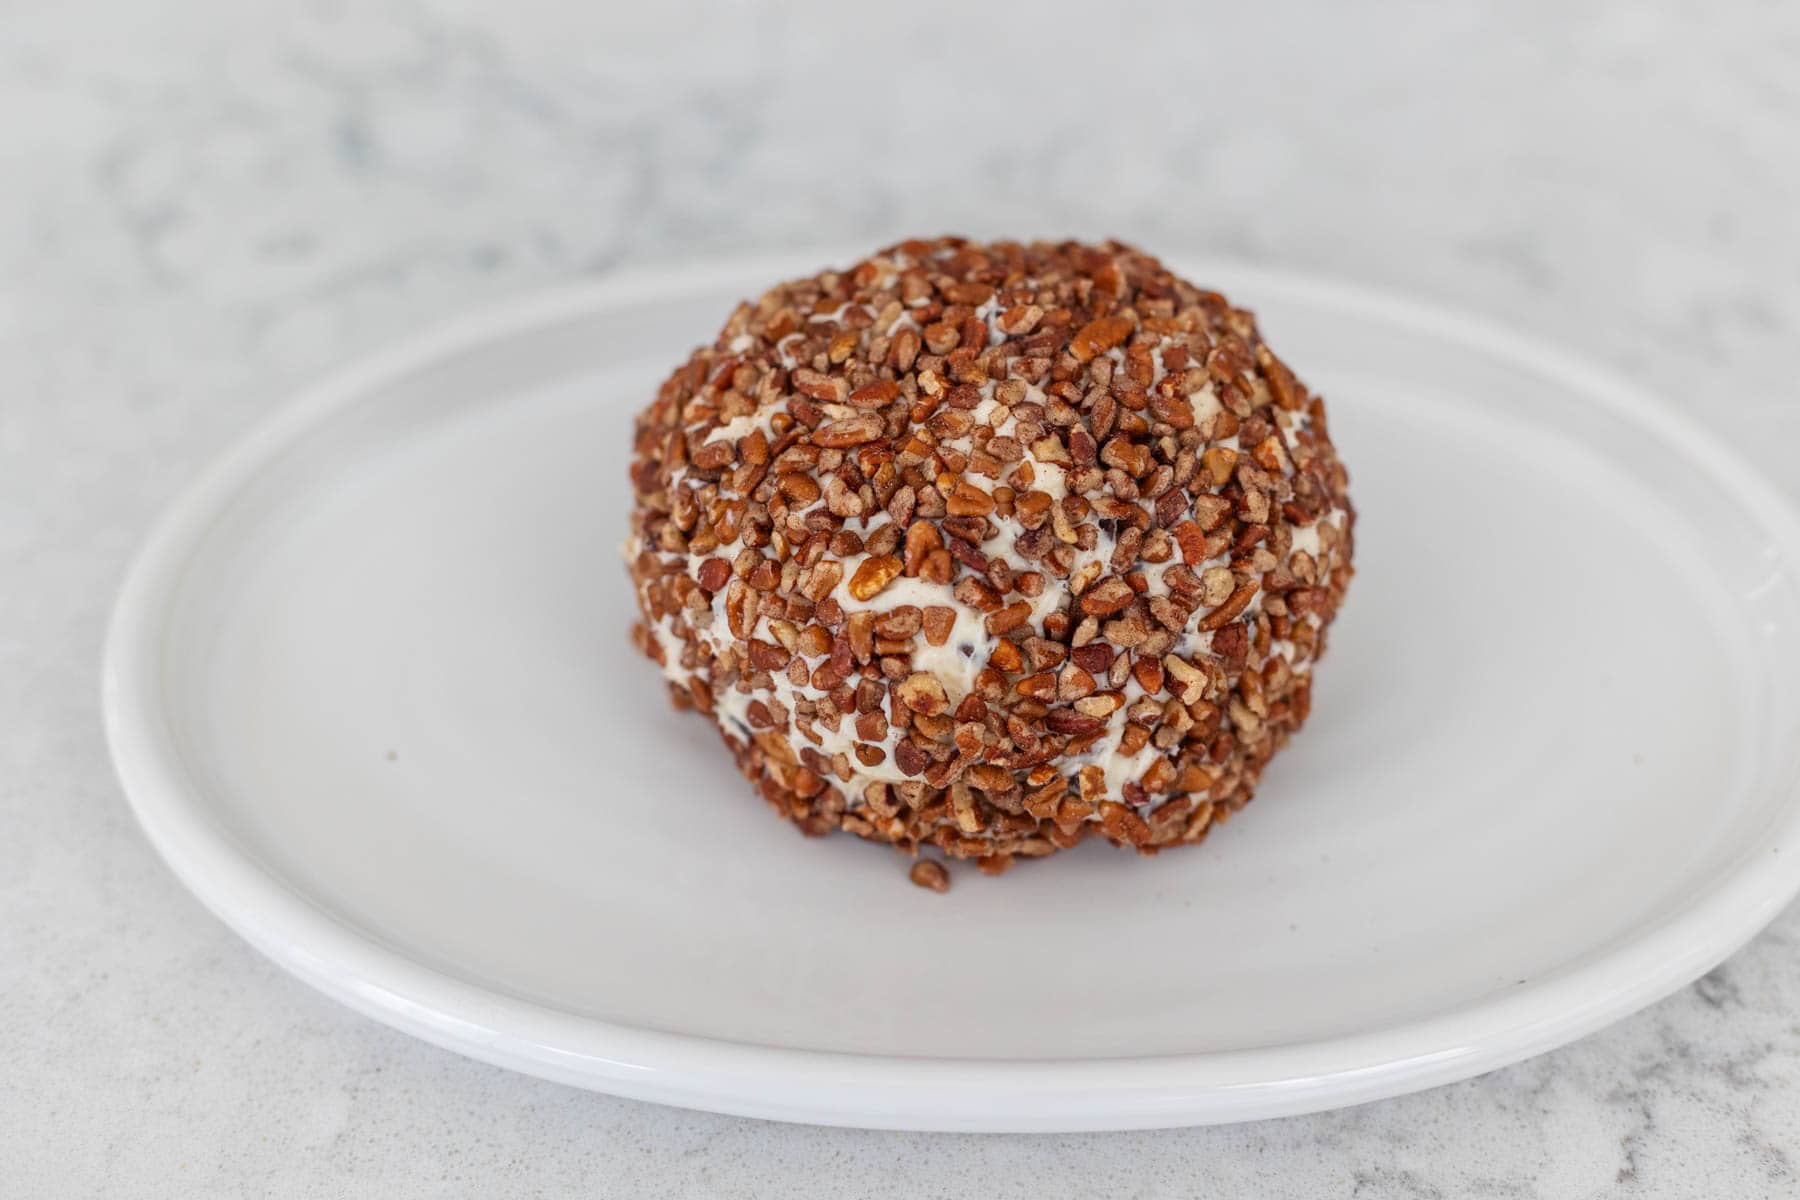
203	205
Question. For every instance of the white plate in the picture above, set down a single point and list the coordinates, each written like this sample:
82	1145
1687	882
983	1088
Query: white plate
371	695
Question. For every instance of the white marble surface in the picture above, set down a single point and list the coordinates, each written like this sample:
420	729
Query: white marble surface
204	203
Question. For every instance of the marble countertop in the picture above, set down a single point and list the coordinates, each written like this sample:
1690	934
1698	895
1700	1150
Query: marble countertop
201	208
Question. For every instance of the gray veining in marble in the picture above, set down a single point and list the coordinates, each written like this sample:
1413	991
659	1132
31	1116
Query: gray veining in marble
204	203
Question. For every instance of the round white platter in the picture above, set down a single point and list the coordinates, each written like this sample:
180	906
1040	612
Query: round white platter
370	692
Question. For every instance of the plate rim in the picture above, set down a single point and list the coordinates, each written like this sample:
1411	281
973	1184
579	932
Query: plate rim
883	1090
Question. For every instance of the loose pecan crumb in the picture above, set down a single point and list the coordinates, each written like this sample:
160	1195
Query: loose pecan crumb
929	873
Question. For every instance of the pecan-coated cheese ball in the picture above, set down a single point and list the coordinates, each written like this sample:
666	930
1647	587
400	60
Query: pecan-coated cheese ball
991	547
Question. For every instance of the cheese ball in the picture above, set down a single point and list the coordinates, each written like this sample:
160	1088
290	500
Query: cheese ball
991	547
